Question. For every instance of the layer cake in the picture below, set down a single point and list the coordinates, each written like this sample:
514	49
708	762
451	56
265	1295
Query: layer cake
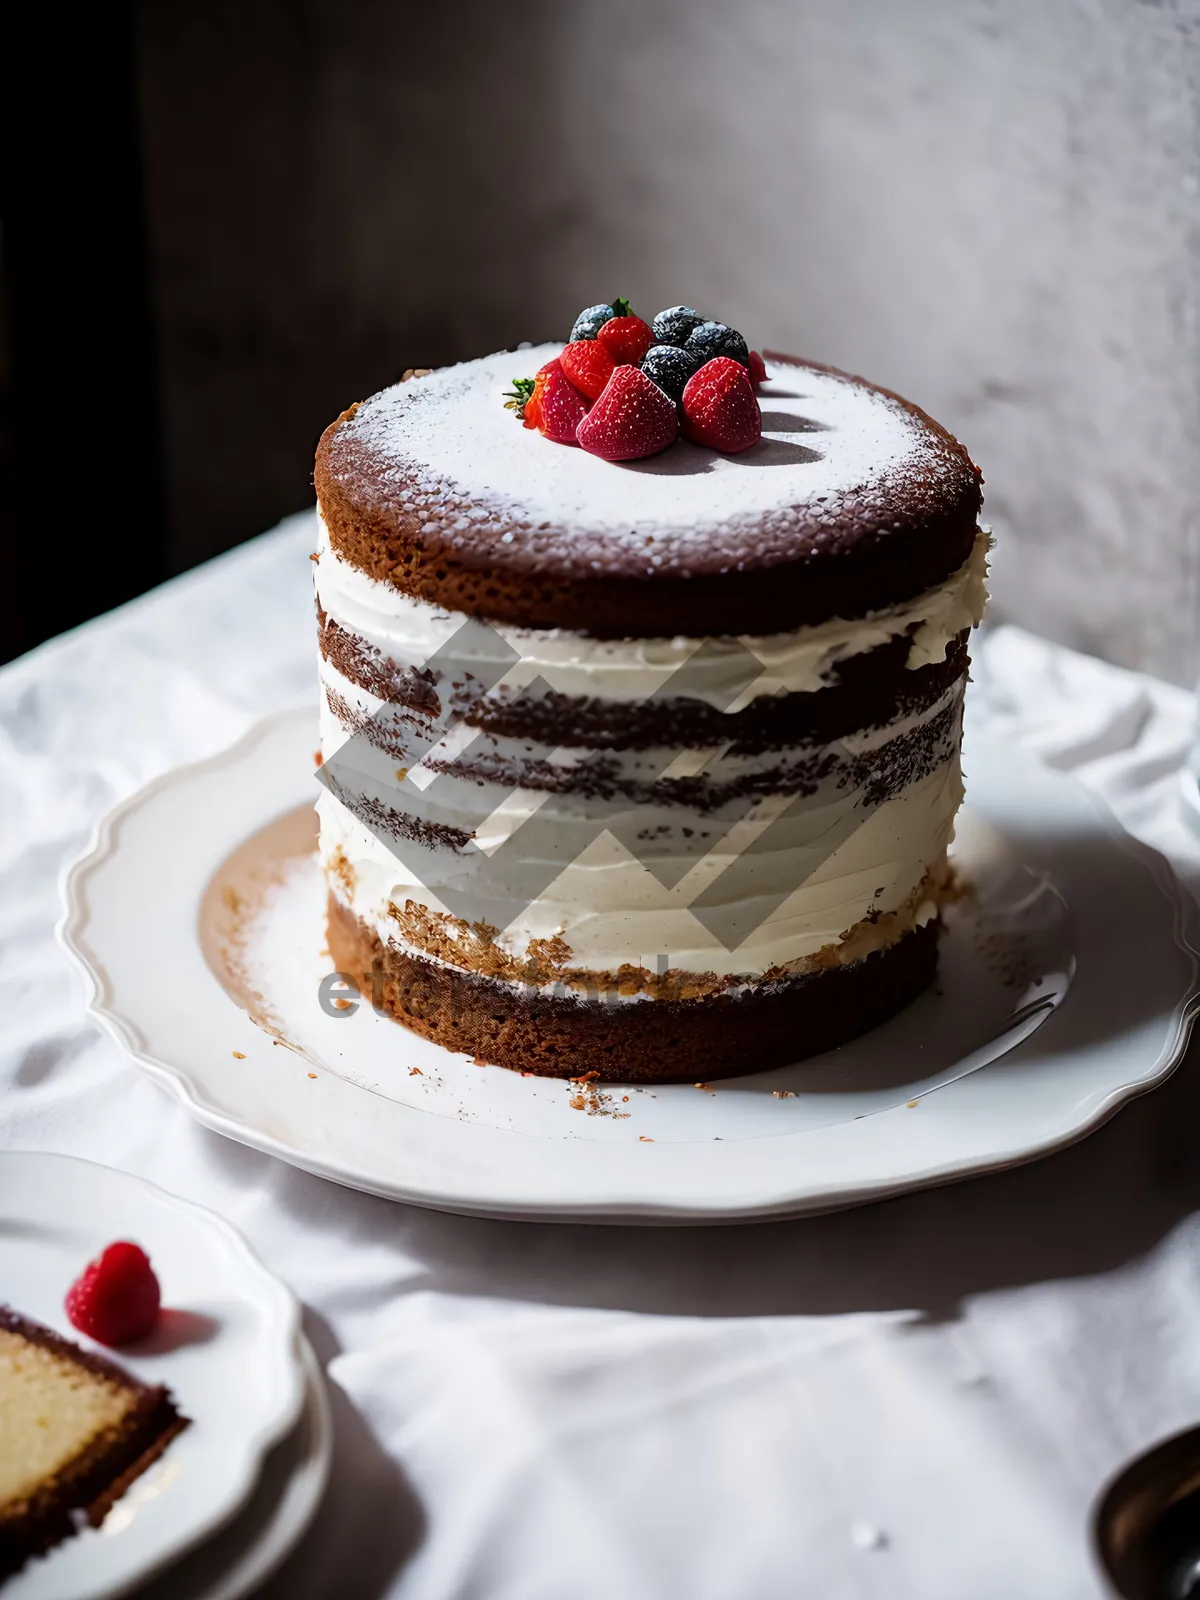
644	771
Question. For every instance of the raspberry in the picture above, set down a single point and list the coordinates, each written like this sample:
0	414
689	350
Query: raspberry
559	406
588	365
673	325
670	368
626	339
720	408
116	1297
758	368
715	339
632	418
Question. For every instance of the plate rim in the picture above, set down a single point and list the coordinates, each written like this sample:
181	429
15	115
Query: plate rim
255	1570
653	1212
285	1322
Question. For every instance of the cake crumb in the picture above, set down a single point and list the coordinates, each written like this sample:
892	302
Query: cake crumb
401	774
784	1094
707	1087
644	1138
318	759
314	555
415	1072
596	1102
478	1061
912	1104
312	1074
343	1005
238	1056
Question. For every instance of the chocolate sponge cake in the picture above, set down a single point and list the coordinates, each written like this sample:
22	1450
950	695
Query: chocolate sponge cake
642	769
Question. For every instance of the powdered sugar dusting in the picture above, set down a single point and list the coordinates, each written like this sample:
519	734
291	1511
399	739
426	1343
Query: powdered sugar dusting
826	439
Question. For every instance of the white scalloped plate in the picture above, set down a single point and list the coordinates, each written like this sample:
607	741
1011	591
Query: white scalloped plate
244	1554
195	919
226	1347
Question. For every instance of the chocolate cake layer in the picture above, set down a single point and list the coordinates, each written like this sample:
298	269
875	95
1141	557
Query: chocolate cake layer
870	689
638	1041
876	537
609	782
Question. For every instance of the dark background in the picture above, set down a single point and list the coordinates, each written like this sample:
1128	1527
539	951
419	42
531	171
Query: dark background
224	222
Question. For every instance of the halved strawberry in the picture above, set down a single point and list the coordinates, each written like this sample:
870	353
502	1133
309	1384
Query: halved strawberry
631	419
720	408
588	365
626	339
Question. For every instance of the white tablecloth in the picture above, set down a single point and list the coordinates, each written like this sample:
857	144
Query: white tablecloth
919	1399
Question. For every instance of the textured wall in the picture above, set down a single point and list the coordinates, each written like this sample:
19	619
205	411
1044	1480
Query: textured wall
992	205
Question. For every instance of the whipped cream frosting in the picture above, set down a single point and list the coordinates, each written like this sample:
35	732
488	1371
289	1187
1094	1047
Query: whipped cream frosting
609	910
849	858
410	630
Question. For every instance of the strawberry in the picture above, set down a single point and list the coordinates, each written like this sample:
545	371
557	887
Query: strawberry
588	365
520	398
558	405
626	339
116	1297
720	408
631	419
758	369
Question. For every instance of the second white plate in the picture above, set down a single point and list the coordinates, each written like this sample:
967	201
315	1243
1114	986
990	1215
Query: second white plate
200	898
226	1346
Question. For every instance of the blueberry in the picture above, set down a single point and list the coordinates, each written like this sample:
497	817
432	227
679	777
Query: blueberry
715	339
673	325
670	368
588	323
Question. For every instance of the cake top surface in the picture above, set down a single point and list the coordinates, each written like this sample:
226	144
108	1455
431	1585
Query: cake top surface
825	436
436	472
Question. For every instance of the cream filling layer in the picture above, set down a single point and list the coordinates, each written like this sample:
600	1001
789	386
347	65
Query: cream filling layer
610	910
410	631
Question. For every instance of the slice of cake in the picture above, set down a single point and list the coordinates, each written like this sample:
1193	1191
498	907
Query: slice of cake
643	769
75	1431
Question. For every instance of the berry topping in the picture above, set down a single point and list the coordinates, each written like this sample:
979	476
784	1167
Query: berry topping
116	1298
720	408
670	368
631	419
715	339
560	406
588	365
673	325
758	368
626	339
588	323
